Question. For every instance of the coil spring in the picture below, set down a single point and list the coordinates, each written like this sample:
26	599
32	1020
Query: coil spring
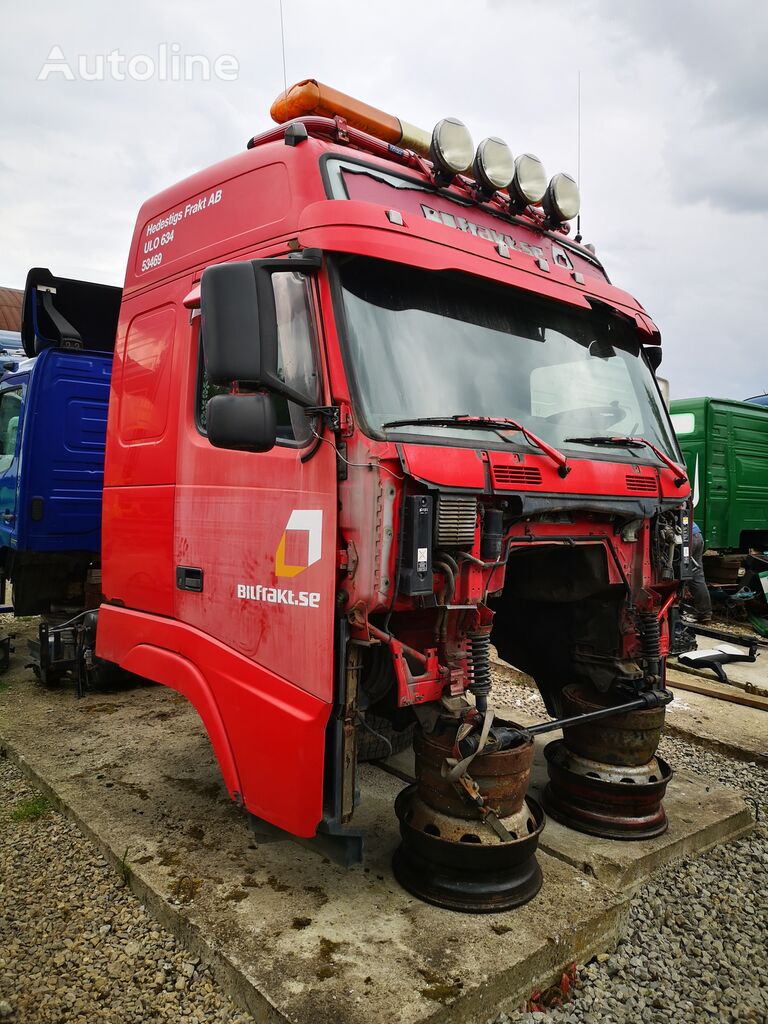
479	668
650	633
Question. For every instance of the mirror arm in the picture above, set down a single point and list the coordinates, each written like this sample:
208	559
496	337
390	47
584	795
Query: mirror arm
330	413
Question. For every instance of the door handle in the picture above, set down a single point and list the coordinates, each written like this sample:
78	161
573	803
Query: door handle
189	578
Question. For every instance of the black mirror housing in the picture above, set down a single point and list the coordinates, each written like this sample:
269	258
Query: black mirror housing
242	422
239	321
653	354
232	317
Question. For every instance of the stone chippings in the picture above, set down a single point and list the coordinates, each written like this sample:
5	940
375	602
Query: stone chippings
76	946
696	948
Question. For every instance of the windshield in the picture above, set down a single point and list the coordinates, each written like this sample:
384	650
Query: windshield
427	344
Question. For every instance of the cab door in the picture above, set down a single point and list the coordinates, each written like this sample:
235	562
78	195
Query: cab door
10	442
255	563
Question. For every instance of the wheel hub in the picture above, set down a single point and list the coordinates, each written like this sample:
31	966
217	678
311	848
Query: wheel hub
449	855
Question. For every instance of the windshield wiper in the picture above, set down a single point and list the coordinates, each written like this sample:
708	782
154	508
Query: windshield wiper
681	476
498	425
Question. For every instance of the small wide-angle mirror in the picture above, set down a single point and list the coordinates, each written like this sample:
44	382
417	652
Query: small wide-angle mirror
243	422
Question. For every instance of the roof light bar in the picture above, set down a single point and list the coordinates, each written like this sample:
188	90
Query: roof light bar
449	146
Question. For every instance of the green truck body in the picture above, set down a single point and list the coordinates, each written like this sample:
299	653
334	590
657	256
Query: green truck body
725	444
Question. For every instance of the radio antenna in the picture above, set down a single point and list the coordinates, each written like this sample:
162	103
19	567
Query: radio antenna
579	148
282	41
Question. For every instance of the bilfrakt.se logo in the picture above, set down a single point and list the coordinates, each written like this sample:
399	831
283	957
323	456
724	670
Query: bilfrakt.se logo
301	543
300	546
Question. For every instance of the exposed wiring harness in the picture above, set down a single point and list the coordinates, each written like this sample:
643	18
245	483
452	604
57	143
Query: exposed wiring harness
357	465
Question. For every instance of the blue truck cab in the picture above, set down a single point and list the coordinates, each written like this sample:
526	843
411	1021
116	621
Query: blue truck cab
53	421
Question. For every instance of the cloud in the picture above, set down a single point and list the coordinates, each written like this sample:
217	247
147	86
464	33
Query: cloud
673	143
717	142
721	46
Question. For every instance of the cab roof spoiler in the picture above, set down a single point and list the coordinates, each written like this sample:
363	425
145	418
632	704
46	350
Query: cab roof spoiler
60	312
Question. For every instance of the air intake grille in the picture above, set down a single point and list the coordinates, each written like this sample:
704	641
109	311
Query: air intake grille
455	521
642	484
516	476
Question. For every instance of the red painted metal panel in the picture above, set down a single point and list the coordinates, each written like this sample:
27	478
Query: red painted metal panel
516	477
472	221
145	375
262	193
238	515
137	547
142	438
259	595
170	238
463	467
451	467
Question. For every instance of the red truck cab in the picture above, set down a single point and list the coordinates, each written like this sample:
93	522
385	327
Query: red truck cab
359	407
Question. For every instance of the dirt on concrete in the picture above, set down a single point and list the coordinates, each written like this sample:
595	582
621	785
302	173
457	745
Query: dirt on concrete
288	934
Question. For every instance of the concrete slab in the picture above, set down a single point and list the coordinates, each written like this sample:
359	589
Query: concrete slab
739	732
700	813
292	937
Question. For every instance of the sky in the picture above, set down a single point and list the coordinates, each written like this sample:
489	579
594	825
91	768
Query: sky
673	151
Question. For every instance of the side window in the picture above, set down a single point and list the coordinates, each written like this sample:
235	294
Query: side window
684	423
297	359
205	390
10	408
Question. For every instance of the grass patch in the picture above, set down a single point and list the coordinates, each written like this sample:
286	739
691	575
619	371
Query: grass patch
30	810
123	868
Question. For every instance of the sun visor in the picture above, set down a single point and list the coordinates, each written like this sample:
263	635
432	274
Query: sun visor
650	334
362	229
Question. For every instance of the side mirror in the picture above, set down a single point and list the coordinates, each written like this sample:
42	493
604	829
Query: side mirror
232	306
653	354
239	321
244	422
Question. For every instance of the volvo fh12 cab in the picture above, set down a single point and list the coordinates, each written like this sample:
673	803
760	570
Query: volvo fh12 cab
371	411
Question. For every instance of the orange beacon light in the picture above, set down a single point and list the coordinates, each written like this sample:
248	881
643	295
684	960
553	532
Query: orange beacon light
312	97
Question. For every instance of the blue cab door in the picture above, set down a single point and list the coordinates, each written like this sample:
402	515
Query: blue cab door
11	404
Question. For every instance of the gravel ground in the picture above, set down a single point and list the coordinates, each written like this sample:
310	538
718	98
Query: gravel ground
76	946
697	944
